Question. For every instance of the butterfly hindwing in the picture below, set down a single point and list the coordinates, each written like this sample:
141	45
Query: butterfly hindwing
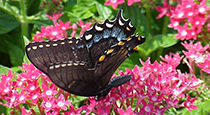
74	77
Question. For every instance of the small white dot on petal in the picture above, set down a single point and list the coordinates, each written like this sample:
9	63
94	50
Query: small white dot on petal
60	104
176	24
147	109
154	98
180	15
201	10
34	97
49	92
21	98
48	104
6	90
54	33
183	33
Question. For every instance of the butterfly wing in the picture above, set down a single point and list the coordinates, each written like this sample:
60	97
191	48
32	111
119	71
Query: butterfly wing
67	63
110	43
103	35
42	54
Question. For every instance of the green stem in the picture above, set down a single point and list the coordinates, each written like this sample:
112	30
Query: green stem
23	18
165	25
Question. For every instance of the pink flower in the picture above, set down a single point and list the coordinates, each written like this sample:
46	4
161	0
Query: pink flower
203	8
188	17
114	3
63	26
130	2
182	32
83	26
24	112
104	111
55	17
189	103
172	59
147	108
61	103
73	111
74	27
165	10
48	91
128	111
48	104
171	101
153	97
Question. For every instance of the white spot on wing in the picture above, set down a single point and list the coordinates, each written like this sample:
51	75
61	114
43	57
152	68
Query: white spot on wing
120	23
51	67
82	63
47	45
55	44
34	47
109	25
88	37
41	46
63	65
57	66
76	63
28	49
98	28
77	41
130	25
69	63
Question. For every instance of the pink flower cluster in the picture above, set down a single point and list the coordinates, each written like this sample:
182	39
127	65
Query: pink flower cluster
58	31
151	86
189	17
33	88
199	55
115	3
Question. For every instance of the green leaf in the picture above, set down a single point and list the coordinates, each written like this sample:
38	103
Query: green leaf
33	7
3	69
4	110
130	62
159	41
104	12
7	22
16	54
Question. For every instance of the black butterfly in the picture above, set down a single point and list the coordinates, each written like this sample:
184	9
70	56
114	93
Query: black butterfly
84	66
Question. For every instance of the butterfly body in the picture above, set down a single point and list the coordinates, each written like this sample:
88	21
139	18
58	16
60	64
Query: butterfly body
84	66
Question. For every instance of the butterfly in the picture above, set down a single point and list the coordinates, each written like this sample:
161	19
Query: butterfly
84	66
